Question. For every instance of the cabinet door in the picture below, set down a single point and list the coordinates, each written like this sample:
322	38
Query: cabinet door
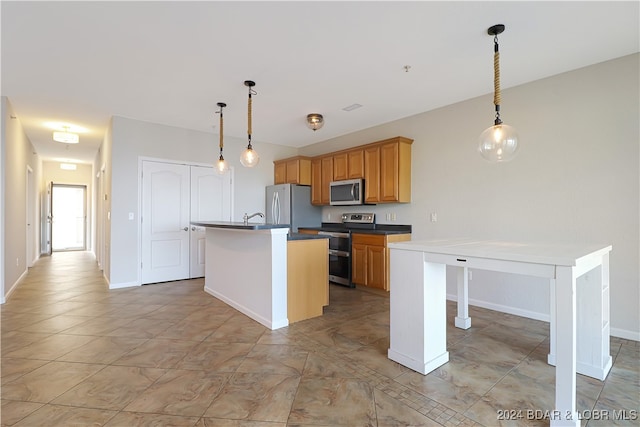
292	172
340	167
376	267
389	172
359	264
280	173
355	164
316	182
327	177
372	174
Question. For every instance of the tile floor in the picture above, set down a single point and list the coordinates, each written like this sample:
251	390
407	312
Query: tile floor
77	354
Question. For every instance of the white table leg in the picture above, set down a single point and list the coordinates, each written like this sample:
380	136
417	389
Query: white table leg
551	357
462	320
418	318
565	411
592	320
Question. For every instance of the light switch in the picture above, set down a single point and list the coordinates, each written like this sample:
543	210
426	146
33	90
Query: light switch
131	216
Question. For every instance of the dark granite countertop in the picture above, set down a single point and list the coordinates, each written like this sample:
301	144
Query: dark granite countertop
303	236
363	229
239	225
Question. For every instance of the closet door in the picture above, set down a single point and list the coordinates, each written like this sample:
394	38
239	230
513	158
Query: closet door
210	201
165	221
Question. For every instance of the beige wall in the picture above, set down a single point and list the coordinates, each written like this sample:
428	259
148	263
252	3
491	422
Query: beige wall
130	140
18	156
576	179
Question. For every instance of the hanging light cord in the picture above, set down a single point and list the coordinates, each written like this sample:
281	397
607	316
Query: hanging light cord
221	129
496	79
249	119
251	92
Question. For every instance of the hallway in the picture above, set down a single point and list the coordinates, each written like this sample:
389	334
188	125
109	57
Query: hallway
77	354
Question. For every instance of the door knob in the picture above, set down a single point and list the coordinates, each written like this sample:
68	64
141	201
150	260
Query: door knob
186	229
193	229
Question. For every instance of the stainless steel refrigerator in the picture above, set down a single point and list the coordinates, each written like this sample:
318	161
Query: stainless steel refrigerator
291	204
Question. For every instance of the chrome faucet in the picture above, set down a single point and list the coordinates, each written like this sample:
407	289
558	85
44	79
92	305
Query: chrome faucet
246	217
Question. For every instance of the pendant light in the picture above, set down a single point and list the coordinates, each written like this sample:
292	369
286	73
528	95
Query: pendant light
498	143
249	158
221	166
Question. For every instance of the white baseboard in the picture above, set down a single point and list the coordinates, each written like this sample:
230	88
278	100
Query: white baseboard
614	332
122	285
623	333
504	309
13	287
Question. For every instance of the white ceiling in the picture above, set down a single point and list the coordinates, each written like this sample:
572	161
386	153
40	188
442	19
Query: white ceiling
171	62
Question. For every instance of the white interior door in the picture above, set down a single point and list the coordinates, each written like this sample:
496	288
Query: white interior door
165	222
210	201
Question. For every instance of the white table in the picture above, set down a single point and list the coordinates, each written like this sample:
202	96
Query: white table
579	327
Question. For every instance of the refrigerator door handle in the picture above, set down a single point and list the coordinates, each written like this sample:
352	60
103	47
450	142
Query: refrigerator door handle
276	216
273	207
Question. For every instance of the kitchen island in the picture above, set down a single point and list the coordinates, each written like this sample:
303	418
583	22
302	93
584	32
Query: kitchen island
246	267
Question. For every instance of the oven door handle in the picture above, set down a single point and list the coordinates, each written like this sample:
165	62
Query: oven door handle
327	233
339	253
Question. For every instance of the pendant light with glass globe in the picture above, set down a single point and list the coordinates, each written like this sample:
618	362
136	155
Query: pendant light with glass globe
498	143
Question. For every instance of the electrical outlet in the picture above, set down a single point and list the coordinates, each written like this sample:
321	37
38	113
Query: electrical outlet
470	275
388	216
17	262
328	216
393	216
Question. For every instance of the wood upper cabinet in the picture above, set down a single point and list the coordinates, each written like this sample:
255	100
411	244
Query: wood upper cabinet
395	170
372	174
326	178
370	258
355	164
279	172
321	177
295	170
316	181
384	165
348	165
340	167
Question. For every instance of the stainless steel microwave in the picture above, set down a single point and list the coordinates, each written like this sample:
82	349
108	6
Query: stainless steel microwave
347	192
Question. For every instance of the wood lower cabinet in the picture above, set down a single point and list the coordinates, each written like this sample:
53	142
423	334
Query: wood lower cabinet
307	278
295	170
307	231
370	258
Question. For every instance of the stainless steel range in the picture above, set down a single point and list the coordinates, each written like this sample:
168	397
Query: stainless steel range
340	244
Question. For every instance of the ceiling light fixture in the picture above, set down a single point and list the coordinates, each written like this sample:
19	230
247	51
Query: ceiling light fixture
315	121
499	142
65	136
249	158
221	166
